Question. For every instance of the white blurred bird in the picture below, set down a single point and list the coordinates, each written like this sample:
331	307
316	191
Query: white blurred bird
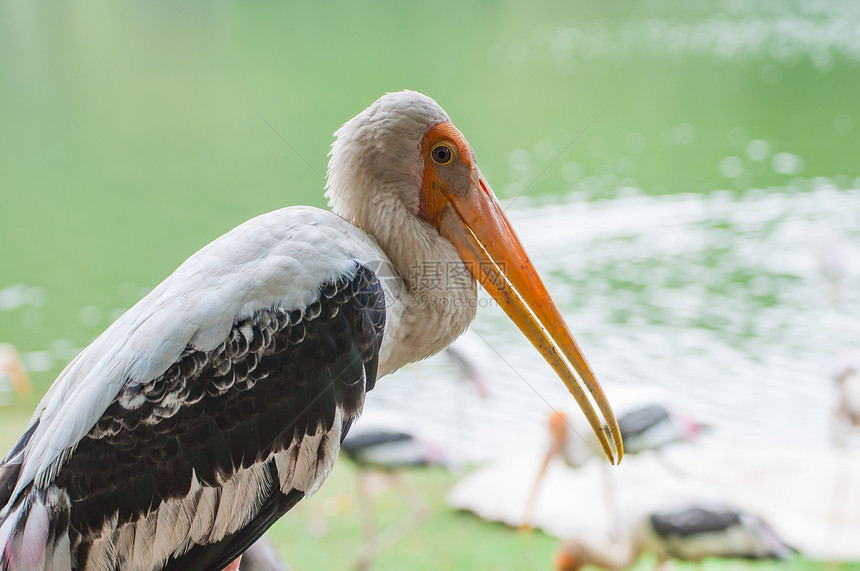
795	497
645	426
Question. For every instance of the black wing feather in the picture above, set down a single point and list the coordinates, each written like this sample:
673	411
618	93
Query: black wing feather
694	521
11	466
278	377
638	421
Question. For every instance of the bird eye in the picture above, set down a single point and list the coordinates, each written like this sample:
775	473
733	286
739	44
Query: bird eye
442	154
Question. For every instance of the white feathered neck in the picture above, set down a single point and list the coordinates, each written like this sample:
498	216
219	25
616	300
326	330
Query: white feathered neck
375	170
374	179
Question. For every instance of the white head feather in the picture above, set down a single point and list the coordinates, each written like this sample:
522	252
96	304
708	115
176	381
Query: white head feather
375	160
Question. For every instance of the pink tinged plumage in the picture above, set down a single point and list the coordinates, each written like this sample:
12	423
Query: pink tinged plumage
34	538
26	550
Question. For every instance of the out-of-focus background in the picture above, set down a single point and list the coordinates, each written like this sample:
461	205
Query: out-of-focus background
685	176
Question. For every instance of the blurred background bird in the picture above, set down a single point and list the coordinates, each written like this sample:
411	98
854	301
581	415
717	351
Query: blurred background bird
381	448
380	455
646	425
692	533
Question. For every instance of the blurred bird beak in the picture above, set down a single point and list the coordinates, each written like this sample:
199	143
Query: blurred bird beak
469	215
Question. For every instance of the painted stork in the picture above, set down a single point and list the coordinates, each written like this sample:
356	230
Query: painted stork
217	402
688	534
644	426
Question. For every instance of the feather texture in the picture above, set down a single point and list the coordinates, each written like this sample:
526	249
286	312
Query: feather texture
192	456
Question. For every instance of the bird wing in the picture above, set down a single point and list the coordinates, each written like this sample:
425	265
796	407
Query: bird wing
268	335
718	531
694	521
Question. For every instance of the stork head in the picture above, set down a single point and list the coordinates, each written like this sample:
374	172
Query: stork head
571	556
402	158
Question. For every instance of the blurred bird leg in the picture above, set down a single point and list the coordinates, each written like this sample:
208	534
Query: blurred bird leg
379	454
419	507
671	467
528	511
847	415
841	489
835	260
467	366
610	498
379	542
557	436
365	504
318	525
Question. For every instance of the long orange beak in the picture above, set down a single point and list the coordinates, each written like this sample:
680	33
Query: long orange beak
468	214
